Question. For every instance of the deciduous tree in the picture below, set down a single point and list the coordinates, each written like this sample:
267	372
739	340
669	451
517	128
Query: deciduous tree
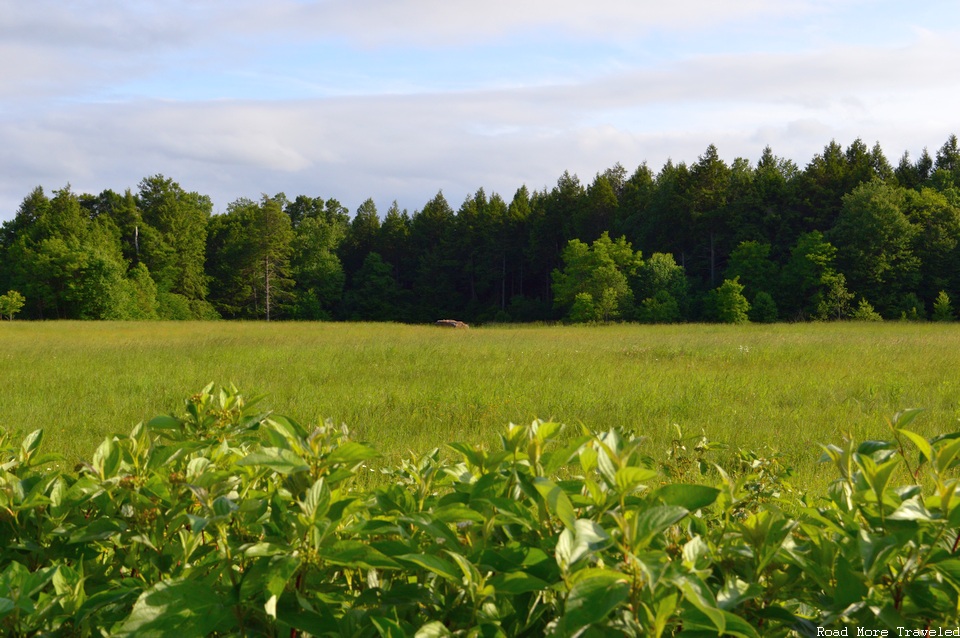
602	272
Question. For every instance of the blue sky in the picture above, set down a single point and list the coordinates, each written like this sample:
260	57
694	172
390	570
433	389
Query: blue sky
397	99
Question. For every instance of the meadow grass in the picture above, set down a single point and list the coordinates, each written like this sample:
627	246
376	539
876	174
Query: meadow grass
770	388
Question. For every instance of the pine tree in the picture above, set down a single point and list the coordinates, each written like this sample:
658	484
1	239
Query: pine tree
942	308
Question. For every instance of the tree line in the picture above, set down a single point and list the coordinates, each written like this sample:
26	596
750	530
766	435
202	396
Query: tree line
849	235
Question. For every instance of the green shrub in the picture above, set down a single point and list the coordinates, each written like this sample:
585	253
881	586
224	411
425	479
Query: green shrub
661	308
764	308
732	306
584	309
942	308
11	304
227	520
171	306
911	308
865	312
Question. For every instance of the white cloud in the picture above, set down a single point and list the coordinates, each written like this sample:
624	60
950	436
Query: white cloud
429	23
408	146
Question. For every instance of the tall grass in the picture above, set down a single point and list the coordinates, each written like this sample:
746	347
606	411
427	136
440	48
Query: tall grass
771	388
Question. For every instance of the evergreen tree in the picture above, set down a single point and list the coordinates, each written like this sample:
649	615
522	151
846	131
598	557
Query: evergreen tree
375	295
750	264
635	200
396	245
666	226
516	238
834	302
935	244
948	161
708	193
598	211
865	312
942	308
316	269
250	252
273	236
361	238
173	239
435	289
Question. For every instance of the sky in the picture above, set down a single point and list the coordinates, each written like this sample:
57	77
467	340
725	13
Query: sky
400	99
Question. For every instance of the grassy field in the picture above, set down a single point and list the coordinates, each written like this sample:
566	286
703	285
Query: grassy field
781	387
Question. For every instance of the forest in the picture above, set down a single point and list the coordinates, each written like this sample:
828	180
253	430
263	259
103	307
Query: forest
848	236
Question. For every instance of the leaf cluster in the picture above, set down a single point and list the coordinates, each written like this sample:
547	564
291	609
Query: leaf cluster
229	521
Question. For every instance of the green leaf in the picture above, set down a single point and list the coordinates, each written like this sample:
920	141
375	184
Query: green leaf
265	549
653	521
472	455
514	583
911	509
704	613
628	478
695	551
869	447
438	530
388	628
947	454
268	576
715	623
106	460
176	608
591	599
736	591
164	422
587	536
287	427
922	444
471	575
435	564
557	501
605	456
434	629
353	553
457	513
352	452
279	460
690	497
316	503
850	587
588	458
950	568
223	506
876	551
30	444
545	430
903	418
97	530
297	611
558	458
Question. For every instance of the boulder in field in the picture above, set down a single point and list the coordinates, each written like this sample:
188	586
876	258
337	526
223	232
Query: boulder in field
451	323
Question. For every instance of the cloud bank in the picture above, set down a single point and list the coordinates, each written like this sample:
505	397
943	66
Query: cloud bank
102	94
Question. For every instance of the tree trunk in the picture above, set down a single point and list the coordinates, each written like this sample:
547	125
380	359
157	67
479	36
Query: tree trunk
266	288
503	283
713	279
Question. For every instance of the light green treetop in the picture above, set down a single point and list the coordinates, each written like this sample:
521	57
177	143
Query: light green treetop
11	303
